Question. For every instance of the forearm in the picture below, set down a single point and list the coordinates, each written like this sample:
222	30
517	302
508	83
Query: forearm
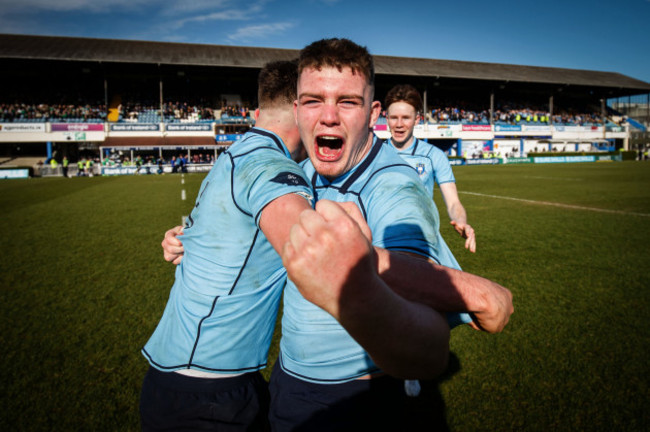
405	339
442	288
445	289
457	213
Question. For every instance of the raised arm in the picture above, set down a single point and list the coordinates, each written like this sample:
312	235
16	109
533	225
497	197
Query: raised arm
333	266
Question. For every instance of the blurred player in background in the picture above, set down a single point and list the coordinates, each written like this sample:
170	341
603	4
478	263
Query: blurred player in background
404	105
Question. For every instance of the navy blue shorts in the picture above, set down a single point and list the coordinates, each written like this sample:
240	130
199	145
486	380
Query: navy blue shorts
359	405
171	401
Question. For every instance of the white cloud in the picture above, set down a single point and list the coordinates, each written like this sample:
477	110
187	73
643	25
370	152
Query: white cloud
258	32
196	5
229	15
210	7
232	13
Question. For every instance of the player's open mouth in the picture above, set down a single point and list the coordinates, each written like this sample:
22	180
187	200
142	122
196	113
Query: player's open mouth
329	147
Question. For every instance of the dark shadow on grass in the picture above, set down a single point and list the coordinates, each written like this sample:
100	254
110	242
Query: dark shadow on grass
428	411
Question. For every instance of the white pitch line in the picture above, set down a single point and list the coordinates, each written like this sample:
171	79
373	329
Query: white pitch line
554	178
548	203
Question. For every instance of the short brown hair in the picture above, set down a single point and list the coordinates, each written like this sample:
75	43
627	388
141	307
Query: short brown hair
277	84
404	93
338	53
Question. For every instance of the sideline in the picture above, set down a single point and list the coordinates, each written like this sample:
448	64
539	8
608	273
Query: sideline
548	203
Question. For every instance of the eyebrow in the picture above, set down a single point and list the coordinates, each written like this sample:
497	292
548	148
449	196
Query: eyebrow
320	96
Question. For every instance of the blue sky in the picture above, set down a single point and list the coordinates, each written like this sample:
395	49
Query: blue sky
601	35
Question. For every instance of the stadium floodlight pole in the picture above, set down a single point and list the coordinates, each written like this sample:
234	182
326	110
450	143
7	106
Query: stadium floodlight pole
491	107
603	118
106	97
161	93
424	110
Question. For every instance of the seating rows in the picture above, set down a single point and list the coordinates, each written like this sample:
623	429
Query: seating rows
184	113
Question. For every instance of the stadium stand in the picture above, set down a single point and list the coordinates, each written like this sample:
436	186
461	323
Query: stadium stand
150	95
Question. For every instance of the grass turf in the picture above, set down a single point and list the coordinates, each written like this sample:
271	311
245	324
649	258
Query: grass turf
84	284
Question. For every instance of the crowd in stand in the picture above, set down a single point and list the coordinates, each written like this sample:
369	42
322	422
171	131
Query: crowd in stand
172	111
183	112
177	162
17	112
460	113
509	114
235	111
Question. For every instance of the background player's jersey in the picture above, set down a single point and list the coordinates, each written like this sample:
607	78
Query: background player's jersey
314	346
429	161
222	308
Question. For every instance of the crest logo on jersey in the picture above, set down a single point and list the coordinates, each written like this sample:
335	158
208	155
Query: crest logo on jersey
420	169
290	179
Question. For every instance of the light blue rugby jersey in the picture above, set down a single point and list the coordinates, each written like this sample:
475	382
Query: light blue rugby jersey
314	346
431	163
222	307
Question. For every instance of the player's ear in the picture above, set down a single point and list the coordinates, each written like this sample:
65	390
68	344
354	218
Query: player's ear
256	114
375	110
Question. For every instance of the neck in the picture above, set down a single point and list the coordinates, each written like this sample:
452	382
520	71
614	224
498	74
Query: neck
403	145
282	123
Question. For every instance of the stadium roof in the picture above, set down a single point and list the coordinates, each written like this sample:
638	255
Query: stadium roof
128	51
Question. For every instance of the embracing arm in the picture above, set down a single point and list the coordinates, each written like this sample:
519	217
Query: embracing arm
172	246
446	289
442	288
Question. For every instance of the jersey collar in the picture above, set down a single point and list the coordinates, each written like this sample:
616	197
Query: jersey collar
276	139
410	149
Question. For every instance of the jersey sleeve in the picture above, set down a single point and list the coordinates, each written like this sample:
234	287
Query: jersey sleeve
402	216
441	167
264	176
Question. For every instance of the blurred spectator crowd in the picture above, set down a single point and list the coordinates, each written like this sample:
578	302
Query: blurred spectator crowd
17	112
451	113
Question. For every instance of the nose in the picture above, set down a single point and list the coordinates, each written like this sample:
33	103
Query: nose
330	114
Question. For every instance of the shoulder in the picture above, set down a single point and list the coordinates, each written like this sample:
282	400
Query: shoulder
437	156
389	175
253	143
429	150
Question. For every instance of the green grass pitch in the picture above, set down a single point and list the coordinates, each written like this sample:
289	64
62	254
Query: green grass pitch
84	284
